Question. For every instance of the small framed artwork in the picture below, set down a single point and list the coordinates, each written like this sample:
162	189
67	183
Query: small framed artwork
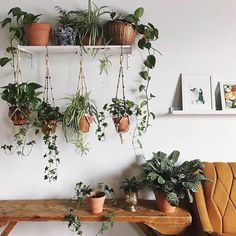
228	95
197	93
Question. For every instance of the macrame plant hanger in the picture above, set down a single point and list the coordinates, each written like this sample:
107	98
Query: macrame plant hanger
48	126
48	82
86	119
18	80
120	81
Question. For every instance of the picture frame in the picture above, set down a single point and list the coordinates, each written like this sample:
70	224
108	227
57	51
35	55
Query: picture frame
197	93
228	95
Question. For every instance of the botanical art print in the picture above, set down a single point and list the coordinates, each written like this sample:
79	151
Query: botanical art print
197	92
228	95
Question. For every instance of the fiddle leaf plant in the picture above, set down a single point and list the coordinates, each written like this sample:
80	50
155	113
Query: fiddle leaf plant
178	181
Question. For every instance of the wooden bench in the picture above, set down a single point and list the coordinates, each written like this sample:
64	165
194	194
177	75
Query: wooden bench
146	217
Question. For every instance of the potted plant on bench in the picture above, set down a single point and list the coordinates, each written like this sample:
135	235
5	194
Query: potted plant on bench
172	183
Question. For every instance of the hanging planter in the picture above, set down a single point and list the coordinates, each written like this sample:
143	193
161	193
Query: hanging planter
22	99
121	109
79	114
48	117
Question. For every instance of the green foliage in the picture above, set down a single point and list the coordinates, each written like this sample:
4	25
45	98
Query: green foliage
108	222
81	146
22	95
131	185
15	22
148	33
178	181
52	157
105	64
78	105
23	146
89	23
74	222
65	18
120	108
47	112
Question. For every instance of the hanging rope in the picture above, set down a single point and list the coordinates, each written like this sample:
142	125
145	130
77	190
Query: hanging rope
18	75
81	80
121	77
48	82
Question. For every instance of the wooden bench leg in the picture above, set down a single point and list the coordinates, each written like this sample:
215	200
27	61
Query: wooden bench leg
147	230
9	228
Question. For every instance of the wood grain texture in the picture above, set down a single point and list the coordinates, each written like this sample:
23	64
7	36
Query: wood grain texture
57	209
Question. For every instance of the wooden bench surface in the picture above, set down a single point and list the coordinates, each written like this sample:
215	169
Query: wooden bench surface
57	209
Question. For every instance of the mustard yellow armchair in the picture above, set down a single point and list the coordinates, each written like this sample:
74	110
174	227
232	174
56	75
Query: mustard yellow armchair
215	201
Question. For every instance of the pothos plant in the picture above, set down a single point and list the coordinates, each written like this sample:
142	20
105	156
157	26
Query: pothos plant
148	33
82	192
15	22
48	118
22	99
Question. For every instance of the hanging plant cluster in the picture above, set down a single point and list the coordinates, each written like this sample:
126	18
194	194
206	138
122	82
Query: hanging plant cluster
76	27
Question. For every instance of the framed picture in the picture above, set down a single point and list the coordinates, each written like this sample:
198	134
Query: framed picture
228	95
197	93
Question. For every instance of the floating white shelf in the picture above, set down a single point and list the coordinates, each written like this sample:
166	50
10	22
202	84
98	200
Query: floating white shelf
113	49
213	112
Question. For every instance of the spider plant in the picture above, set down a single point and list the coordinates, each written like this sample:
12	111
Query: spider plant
79	108
90	25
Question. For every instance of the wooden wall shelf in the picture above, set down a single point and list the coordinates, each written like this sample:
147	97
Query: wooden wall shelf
146	217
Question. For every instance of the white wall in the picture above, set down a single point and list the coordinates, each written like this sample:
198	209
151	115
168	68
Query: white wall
196	36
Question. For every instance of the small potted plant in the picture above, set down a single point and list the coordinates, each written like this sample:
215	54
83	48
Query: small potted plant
95	197
131	187
90	25
79	113
66	30
172	183
21	99
121	110
48	117
21	22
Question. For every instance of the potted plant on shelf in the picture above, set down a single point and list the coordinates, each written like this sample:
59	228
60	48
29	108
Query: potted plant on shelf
79	113
90	25
172	183
21	22
66	30
131	187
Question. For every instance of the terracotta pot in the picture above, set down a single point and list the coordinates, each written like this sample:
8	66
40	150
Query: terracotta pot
18	116
49	126
96	202
84	123
38	34
120	33
162	203
121	124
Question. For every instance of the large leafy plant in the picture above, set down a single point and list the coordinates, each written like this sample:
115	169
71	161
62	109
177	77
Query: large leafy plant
178	181
22	95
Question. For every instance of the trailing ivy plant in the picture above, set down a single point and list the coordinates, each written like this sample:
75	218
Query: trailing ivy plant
178	181
48	118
